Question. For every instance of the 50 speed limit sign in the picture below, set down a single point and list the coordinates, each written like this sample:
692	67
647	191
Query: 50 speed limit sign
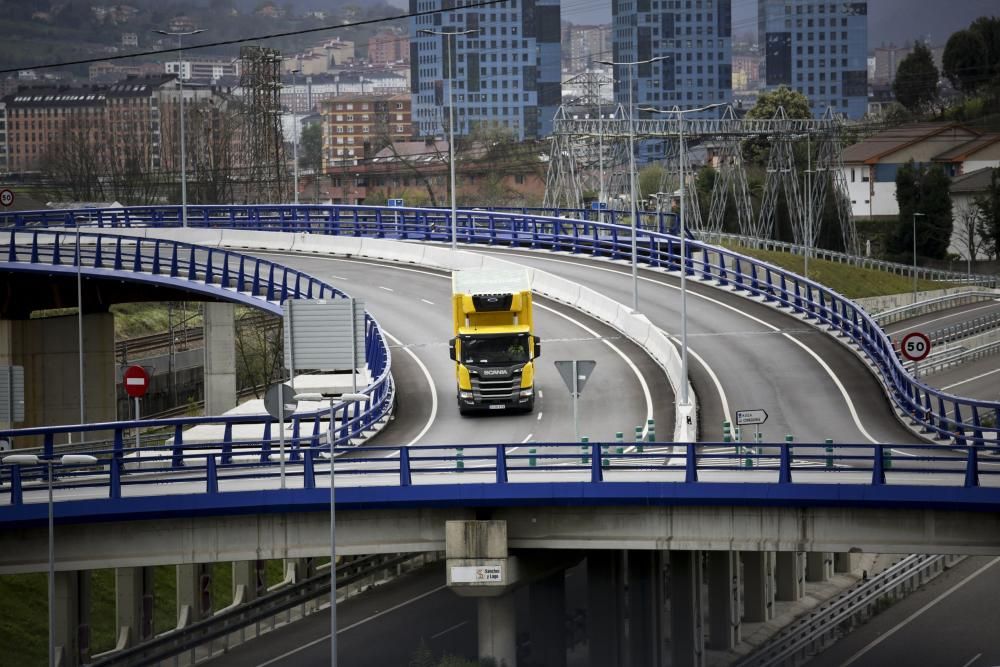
915	346
6	197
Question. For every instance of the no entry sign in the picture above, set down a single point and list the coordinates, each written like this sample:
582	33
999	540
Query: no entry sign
136	381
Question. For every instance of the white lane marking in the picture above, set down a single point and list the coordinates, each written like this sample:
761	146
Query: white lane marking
429	303
540	416
341	631
387	289
829	371
331	275
974	658
938	319
972	379
447	630
539	393
527	438
918	612
711	373
434	397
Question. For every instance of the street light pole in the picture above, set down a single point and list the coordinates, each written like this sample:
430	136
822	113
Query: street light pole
915	215
683	232
180	81
66	460
79	320
295	138
451	115
631	155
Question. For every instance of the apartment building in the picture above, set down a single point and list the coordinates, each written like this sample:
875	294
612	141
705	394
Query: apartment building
355	127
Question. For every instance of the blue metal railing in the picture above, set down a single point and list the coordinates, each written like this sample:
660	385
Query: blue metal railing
938	413
229	276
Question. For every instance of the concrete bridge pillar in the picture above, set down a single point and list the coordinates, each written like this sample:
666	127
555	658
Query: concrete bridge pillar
194	592
687	634
252	575
724	590
819	565
220	357
48	348
134	603
789	575
758	586
72	617
498	629
548	620
845	562
646	608
605	608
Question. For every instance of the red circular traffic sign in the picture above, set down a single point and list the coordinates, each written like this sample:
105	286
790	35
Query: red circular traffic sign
6	197
136	381
915	346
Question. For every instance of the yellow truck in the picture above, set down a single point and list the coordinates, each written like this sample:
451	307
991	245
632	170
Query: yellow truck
494	348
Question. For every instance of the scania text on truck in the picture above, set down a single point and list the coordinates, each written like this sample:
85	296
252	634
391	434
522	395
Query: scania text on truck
494	347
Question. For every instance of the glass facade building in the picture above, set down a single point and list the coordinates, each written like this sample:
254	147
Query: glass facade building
819	49
507	74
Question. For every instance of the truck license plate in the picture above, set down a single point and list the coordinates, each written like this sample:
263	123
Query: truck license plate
497	406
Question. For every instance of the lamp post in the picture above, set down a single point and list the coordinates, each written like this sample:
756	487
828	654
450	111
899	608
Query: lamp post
295	137
66	460
180	81
451	115
342	398
680	139
79	320
915	215
631	172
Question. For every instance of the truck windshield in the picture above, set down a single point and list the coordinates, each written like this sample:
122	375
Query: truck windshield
495	349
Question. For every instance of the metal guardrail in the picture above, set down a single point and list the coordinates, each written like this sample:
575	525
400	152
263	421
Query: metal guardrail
965	329
225	625
933	411
957	357
924	273
809	634
933	305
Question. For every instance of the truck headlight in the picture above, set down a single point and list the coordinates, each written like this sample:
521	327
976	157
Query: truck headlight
527	393
465	394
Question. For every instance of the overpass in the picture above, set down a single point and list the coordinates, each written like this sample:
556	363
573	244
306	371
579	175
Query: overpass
780	497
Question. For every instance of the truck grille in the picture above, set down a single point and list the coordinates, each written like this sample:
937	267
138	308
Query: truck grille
496	389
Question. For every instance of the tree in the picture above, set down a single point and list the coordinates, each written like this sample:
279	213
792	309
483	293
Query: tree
966	61
795	104
988	28
967	230
916	83
988	208
922	191
311	152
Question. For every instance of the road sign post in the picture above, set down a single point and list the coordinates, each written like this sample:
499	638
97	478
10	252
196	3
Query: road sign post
135	379
575	374
915	347
280	403
751	418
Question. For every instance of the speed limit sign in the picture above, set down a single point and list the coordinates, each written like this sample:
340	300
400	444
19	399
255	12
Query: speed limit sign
6	197
915	346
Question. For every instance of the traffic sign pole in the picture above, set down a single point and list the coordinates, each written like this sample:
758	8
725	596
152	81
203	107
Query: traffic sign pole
137	425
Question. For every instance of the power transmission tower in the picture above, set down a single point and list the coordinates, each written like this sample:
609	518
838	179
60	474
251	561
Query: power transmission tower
263	141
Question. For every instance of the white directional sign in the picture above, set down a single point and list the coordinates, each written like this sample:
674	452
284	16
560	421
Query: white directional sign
575	373
477	574
750	417
915	346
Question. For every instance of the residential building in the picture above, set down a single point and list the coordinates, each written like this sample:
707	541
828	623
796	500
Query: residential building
585	44
388	46
109	72
887	59
204	70
4	167
325	58
870	166
306	93
819	49
746	71
694	38
354	128
506	74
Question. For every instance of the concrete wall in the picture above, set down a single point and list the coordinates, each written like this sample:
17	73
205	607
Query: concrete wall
48	350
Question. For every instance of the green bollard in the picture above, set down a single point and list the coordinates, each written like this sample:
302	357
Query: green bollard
531	459
829	452
459	454
886	458
650	430
619	437
638	439
584	450
725	432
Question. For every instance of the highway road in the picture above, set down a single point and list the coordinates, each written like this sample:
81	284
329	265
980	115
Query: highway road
950	622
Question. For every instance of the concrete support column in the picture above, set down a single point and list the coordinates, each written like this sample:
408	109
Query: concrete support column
252	575
220	358
758	586
845	562
724	590
72	626
605	608
687	633
498	629
646	613
548	620
819	565
194	592
789	575
134	603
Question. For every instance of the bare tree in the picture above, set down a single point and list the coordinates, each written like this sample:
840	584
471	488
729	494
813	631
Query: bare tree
967	231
